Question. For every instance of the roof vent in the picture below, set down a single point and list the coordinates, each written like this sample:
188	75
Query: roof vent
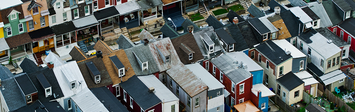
245	66
151	89
288	52
99	54
329	41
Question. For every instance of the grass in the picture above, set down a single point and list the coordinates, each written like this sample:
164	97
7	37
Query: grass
236	7
195	17
352	105
219	12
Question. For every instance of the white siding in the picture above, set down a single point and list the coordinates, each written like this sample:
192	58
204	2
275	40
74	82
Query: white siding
216	102
59	13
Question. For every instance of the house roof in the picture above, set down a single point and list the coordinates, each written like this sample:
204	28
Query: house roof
168	31
5	73
237	36
343	5
147	4
29	66
164	46
6	9
3	44
351	3
332	12
41	34
268	24
33	4
265	91
124	43
231	14
103	47
299	3
38	106
105	77
187	23
205	76
310	13
273	52
108	99
208	34
106	13
6	3
284	44
87	101
188	41
140	93
160	90
332	77
319	10
321	45
212	21
85	21
63	28
314	108
116	62
242	57
298	12
247	34
12	94
348	25
18	40
290	81
273	3
167	2
292	23
187	80
331	36
306	77
246	106
110	67
255	11
146	35
127	7
54	58
258	26
225	37
144	55
279	23
26	85
226	64
53	107
77	54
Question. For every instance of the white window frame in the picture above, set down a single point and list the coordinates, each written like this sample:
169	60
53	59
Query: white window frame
69	104
265	37
211	48
131	102
231	48
349	39
88	8
145	67
241	100
197	101
335	30
106	5
151	110
301	64
13	16
207	64
191	56
118	92
341	80
43	21
233	87
214	70
263	105
57	5
241	91
124	95
341	34
29	25
77	12
19	28
95	6
347	14
259	58
221	76
65	17
54	19
121	72
7	31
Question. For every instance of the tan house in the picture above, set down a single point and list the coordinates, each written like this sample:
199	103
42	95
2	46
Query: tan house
290	88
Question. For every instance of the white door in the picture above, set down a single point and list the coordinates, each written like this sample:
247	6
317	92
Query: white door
312	91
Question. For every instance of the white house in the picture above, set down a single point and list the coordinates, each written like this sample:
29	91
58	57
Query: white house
59	13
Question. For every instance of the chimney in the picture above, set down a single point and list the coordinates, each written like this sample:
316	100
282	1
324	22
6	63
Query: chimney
151	89
50	65
99	54
190	28
277	10
235	20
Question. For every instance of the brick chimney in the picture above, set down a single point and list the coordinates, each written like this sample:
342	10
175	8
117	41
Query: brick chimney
190	28
235	20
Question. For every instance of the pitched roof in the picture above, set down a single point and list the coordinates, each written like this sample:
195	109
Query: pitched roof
144	55
231	14
279	23
258	26
103	47
273	52
224	36
105	77
85	101
351	3
188	41
109	12
187	23
29	66
124	43
7	11
187	80
146	35
26	85
290	81
292	23
77	54
12	94
314	108
168	31
108	99
298	12
205	76
284	44
247	34
210	36
343	5
272	4
63	28
147	4
245	59
310	13
348	25
5	73
140	93
319	10
256	12
332	77
225	64
236	34
164	46
332	12
212	21
160	90
331	36
18	40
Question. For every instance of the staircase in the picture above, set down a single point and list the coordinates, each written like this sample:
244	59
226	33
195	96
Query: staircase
203	11
82	46
32	58
38	58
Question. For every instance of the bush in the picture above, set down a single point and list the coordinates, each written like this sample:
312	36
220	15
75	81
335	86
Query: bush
219	12
302	109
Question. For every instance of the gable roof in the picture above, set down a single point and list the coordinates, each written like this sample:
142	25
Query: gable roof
187	23
189	41
247	34
77	54
348	25
164	46
292	23
103	47
29	66
290	81
273	52
168	31
108	99
342	4
231	14
256	12
105	77
310	13
205	76
26	85
319	10
33	4
8	10
143	53
331	36
187	80
140	93
332	77
258	26
85	101
160	90
245	59
212	21
211	37
332	12
124	43
12	94
5	73
237	36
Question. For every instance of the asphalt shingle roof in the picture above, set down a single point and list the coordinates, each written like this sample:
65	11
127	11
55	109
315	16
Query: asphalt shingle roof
290	81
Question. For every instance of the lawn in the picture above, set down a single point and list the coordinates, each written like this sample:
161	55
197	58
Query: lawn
219	12
236	7
352	105
195	17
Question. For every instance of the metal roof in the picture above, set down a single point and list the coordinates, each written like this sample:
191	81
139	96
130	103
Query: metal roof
165	47
128	7
332	77
144	55
205	76
306	77
160	90
85	21
9	3
106	13
87	101
284	44
124	43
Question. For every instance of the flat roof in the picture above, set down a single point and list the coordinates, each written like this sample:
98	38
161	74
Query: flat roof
87	101
268	24
265	91
320	44
298	12
161	91
128	7
306	77
9	3
284	44
242	57
205	76
332	77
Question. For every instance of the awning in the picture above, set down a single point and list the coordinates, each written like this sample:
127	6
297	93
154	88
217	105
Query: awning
247	106
3	44
44	13
18	40
63	28
85	21
226	93
332	77
41	34
106	13
128	7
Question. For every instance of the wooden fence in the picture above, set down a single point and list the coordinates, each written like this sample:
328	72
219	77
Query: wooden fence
307	98
331	97
287	108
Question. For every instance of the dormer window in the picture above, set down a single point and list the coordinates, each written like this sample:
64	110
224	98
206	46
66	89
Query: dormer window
264	36
209	44
145	66
187	50
347	15
119	67
121	72
45	84
164	54
72	85
191	56
35	10
13	16
141	60
94	72
48	90
167	58
28	98
211	48
231	48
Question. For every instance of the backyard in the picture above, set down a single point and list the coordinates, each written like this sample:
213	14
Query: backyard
219	12
236	8
196	17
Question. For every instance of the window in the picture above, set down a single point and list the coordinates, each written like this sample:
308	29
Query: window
13	16
218	109
9	31
87	10
264	36
64	16
124	96
232	101
72	85
231	48
283	94
301	65
211	48
167	58
321	62
349	39
278	89
294	43
29	98
35	10
191	56
151	110
241	88
347	15
58	5
315	23
69	104
76	13
145	66
172	108
95	5
344	52
329	63
118	91
342	34
241	100
43	21
281	71
301	46
335	30
177	91
207	65
214	70
53	19
309	51
297	93
338	60
107	2
189	102
233	88
48	91
259	58
171	83
341	80
131	102
263	105
333	64
252	55
121	72
197	102
221	76
267	64
266	79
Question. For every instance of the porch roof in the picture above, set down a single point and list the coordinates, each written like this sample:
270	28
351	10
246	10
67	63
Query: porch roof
332	77
147	4
128	7
3	44
85	21
106	13
41	34
63	28
18	40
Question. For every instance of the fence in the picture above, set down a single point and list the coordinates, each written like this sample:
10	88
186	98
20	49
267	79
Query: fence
283	105
349	83
331	97
307	98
